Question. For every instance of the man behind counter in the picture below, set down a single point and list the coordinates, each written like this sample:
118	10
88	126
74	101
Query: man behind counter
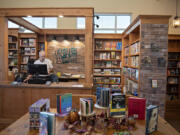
43	60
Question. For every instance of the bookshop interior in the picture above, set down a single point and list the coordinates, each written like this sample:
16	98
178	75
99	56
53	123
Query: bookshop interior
90	67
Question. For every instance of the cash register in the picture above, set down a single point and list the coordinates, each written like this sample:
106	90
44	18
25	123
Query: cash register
39	74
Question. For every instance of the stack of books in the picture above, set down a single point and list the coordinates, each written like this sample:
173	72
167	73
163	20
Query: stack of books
86	106
34	112
102	96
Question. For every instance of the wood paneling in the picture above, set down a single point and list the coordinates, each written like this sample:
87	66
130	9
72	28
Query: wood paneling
63	31
3	49
108	36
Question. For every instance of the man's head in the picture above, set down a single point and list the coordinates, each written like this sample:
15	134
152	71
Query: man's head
42	56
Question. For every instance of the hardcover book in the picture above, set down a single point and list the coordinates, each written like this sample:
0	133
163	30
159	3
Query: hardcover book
47	123
64	103
151	119
136	107
117	104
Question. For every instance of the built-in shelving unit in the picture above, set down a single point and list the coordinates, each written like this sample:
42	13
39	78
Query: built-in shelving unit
107	60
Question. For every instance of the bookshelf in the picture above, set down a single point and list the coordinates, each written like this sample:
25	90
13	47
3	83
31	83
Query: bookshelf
107	60
27	49
144	59
173	68
131	55
13	49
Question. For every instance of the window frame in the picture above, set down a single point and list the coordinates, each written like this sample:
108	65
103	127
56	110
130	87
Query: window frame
115	29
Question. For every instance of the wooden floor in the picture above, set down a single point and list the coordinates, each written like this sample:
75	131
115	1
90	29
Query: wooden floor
173	115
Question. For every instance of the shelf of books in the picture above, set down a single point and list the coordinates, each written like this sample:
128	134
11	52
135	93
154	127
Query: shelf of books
13	50
107	61
28	49
131	49
173	69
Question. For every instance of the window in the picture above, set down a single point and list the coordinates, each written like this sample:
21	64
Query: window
37	21
81	21
111	23
50	22
12	25
108	23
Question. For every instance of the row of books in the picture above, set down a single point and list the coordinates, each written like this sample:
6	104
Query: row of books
12	53
108	64
131	72
12	39
171	97
23	67
107	71
107	80
173	80
126	51
134	61
34	112
126	60
174	55
12	46
173	64
25	59
64	103
135	48
172	72
107	55
131	86
25	42
102	96
28	51
108	45
111	86
86	106
172	90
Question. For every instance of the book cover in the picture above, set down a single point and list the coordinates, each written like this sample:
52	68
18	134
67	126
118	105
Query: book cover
136	107
64	103
151	119
117	104
47	123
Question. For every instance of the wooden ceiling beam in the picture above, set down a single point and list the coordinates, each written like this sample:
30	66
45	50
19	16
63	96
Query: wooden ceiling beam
46	12
22	22
64	31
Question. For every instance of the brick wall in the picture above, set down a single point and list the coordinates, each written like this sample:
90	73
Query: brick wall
154	48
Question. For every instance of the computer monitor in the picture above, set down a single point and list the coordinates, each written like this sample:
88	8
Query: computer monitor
38	69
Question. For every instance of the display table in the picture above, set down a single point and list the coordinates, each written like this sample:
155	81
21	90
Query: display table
21	127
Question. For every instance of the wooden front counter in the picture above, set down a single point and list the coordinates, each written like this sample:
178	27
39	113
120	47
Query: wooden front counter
15	99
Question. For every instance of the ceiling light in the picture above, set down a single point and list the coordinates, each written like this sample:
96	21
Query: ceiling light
176	20
29	16
61	16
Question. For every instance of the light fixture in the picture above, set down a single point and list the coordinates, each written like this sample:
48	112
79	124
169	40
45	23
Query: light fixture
96	25
176	20
97	17
29	16
61	16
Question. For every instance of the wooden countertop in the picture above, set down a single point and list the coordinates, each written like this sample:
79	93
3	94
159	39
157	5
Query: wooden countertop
21	127
61	85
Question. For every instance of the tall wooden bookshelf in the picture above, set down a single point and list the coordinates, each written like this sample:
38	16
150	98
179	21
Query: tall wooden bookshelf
13	51
144	59
107	60
173	77
131	57
27	50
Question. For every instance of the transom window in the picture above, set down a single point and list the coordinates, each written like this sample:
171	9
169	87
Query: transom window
108	23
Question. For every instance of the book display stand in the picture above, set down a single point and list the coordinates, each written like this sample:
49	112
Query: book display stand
119	118
104	109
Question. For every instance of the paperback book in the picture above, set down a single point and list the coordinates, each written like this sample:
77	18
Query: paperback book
86	106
